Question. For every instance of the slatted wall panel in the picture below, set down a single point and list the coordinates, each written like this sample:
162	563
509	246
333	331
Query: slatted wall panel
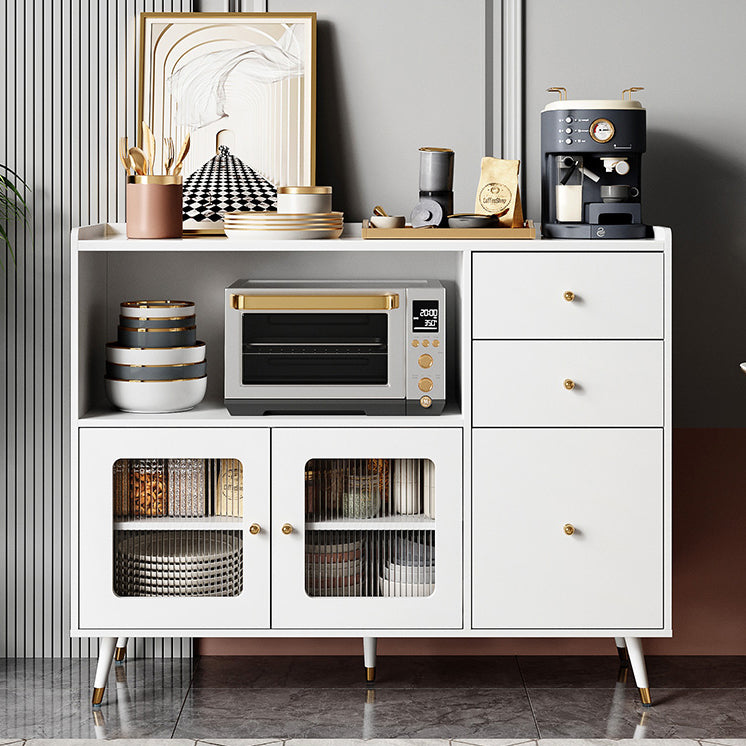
68	71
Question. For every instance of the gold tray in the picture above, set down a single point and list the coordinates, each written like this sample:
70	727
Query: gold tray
528	232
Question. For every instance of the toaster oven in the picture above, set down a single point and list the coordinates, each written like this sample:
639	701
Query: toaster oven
335	347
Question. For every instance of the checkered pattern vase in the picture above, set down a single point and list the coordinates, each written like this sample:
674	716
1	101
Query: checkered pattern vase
226	184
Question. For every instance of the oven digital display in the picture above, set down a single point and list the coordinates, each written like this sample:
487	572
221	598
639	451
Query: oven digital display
425	316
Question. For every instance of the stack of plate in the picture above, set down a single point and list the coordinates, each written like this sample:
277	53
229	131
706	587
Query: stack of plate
156	364
178	563
334	568
409	569
277	225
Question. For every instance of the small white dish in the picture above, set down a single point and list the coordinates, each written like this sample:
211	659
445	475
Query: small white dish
413	590
157	309
115	353
283	235
155	397
388	221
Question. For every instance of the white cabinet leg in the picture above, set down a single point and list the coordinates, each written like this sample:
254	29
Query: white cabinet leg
106	647
637	660
369	654
621	649
120	652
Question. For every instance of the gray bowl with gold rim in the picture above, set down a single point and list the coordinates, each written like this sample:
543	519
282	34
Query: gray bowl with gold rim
156	372
152	337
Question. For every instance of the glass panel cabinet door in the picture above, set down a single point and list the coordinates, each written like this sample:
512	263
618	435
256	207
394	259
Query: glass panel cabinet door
173	528
366	528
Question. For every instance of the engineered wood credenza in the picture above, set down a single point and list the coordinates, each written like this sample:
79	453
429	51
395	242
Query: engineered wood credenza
537	505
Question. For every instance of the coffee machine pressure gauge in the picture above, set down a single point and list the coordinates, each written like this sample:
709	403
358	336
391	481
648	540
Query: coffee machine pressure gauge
602	130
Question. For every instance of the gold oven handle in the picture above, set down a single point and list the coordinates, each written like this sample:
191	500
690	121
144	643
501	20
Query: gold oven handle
384	302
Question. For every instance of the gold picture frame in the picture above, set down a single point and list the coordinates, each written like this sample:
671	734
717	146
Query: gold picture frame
243	85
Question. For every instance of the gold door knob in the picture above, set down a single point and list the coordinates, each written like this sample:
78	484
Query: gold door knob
569	529
287	529
425	361
425	384
569	384
569	296
254	528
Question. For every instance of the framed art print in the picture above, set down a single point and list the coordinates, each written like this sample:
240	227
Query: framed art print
243	86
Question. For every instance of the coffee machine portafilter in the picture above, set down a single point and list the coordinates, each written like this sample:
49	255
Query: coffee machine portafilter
592	168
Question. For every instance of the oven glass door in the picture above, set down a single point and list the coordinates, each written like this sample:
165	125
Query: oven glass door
315	348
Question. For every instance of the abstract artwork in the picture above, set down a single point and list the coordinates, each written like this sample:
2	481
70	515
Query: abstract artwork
242	85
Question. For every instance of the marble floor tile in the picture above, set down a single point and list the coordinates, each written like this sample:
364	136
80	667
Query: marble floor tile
237	742
79	673
226	672
120	742
352	713
618	713
135	712
368	742
697	671
492	742
725	741
569	671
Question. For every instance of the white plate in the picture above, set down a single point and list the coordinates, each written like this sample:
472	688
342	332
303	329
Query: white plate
282	235
149	397
157	309
275	215
115	353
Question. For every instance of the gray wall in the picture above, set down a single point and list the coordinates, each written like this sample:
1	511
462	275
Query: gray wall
690	57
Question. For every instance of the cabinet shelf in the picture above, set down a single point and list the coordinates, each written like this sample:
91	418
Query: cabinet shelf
396	522
228	523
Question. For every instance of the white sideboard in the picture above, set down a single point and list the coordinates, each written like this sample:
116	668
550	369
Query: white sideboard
551	461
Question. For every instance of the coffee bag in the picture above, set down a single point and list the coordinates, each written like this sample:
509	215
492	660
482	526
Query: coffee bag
498	190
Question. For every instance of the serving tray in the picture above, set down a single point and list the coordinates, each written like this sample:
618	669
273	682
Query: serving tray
527	232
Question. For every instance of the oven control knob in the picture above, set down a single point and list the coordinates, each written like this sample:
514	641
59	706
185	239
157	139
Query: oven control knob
425	384
426	402
425	361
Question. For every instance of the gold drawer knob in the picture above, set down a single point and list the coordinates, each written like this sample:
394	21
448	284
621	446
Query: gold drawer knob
569	296
287	529
254	528
569	529
569	384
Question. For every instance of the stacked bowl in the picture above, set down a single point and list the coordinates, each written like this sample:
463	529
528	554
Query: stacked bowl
156	364
409	568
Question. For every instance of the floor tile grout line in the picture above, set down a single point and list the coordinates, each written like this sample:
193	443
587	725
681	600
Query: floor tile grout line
181	709
528	697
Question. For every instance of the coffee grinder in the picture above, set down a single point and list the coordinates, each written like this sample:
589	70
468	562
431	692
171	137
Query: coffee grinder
591	168
436	188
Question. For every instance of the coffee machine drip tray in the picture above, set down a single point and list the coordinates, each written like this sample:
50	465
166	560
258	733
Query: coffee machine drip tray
586	230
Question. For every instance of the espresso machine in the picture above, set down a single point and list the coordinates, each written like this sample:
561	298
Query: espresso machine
591	168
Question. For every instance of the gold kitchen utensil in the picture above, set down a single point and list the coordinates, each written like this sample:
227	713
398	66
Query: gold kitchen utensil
139	161
124	156
182	154
148	145
168	149
378	210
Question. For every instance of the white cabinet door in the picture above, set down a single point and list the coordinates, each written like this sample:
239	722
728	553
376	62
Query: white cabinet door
147	560
568	384
612	296
373	528
528	571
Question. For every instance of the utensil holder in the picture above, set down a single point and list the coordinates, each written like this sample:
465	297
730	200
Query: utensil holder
154	206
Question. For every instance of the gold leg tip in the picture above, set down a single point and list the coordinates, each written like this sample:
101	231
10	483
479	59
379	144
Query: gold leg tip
370	674
98	695
120	654
645	697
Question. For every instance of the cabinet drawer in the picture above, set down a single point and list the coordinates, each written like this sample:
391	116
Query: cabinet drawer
522	296
522	384
528	573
